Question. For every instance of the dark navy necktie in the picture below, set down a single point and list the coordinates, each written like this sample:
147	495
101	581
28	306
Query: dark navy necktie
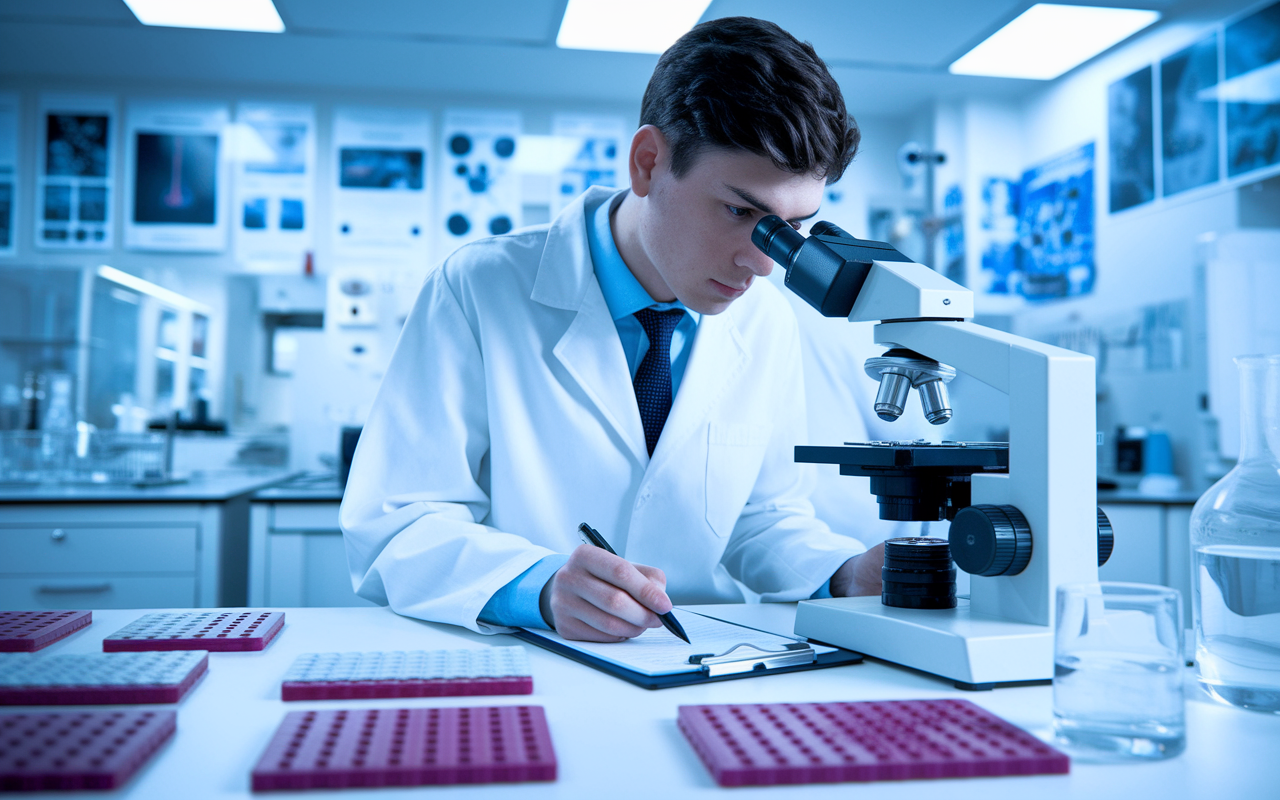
653	378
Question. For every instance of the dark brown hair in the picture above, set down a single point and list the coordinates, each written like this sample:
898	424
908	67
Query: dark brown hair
746	84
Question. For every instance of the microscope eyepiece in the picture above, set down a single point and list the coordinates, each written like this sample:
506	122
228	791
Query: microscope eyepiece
777	239
824	228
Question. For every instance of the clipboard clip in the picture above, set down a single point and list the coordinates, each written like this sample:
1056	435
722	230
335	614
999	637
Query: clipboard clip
730	661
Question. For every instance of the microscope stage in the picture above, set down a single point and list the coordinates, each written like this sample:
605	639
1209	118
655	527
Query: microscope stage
974	651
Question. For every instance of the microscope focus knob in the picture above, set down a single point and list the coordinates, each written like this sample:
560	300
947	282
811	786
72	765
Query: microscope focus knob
990	540
1106	538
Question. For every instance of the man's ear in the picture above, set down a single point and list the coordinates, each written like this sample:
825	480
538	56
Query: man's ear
649	154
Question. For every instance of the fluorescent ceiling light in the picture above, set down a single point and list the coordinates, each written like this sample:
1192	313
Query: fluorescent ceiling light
1047	40
626	26
224	15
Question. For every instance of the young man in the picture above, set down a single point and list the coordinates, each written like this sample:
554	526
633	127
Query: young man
619	367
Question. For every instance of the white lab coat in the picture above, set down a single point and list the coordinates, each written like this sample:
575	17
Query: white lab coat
507	417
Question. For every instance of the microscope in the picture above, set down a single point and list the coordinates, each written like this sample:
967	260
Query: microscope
1024	516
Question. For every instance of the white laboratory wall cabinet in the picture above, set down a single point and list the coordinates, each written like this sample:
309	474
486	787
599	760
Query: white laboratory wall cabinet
297	558
1153	545
115	555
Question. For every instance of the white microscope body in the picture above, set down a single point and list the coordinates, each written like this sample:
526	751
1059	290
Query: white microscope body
1004	632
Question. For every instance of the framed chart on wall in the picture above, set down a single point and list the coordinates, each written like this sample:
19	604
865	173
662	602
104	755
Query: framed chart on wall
75	178
1130	141
480	191
1056	226
1252	58
272	150
1189	123
174	195
8	174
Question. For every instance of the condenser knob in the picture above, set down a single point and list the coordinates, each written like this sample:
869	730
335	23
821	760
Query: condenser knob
1106	538
990	540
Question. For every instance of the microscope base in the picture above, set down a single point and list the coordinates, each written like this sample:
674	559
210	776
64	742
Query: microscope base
974	651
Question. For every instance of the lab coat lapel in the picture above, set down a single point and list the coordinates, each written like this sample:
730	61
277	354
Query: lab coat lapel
589	349
718	358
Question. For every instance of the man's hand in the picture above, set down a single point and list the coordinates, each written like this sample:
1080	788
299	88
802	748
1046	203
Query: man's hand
599	597
859	575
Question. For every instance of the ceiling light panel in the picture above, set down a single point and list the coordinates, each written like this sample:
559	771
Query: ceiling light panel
1047	40
225	15
626	26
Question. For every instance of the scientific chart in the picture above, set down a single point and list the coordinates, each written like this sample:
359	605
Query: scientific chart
76	173
481	188
8	173
380	201
599	154
176	164
272	148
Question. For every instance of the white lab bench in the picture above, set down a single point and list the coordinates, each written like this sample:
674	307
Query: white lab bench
296	554
615	740
104	546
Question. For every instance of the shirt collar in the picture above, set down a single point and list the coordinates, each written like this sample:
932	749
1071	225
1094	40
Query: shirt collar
623	294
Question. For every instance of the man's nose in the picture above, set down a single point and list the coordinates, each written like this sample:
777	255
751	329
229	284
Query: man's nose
756	261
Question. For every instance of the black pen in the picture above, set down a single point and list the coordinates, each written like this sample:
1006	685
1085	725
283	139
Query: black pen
669	622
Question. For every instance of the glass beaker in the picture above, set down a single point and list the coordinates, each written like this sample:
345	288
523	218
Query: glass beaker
1235	545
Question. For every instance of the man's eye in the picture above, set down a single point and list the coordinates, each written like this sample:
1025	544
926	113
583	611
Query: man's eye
738	212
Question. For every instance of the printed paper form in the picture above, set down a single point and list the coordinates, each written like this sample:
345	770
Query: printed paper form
658	652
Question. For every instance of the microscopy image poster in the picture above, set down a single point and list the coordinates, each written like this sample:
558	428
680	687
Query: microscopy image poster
177	176
75	176
381	205
1188	124
8	174
999	271
1056	228
598	145
272	151
1130	135
480	191
1252	50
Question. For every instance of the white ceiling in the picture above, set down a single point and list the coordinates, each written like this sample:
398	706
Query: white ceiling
890	56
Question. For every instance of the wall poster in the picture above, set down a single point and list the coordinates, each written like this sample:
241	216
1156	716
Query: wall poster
177	176
600	146
273	155
1000	261
380	201
481	189
8	173
75	176
1130	137
1055	226
1252	49
1188	124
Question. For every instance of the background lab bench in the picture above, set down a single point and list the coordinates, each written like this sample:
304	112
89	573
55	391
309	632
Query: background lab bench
111	546
614	740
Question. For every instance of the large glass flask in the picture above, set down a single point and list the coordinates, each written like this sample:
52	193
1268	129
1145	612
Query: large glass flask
1235	541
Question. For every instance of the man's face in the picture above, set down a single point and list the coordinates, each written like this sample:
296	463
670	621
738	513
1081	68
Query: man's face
697	228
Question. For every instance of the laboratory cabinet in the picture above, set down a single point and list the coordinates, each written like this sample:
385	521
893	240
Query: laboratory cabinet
115	555
1152	545
296	554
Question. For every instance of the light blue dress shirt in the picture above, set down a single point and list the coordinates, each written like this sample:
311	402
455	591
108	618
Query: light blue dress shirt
516	604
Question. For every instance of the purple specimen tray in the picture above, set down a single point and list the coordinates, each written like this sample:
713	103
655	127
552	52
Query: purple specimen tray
786	743
414	673
28	631
67	679
195	630
407	747
84	750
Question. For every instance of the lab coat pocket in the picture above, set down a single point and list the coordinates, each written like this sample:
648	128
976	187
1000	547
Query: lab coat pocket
735	451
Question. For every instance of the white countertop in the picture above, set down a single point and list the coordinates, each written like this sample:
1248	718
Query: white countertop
615	740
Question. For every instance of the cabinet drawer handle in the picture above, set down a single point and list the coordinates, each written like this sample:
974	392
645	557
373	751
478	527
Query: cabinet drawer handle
58	534
75	588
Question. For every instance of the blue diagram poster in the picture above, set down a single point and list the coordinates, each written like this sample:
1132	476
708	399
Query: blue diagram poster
1252	53
1000	256
1056	227
1130	134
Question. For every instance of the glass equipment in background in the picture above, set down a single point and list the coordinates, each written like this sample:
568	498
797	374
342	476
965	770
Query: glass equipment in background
88	359
1235	541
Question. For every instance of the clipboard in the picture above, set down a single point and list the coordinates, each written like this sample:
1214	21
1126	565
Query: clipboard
768	654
